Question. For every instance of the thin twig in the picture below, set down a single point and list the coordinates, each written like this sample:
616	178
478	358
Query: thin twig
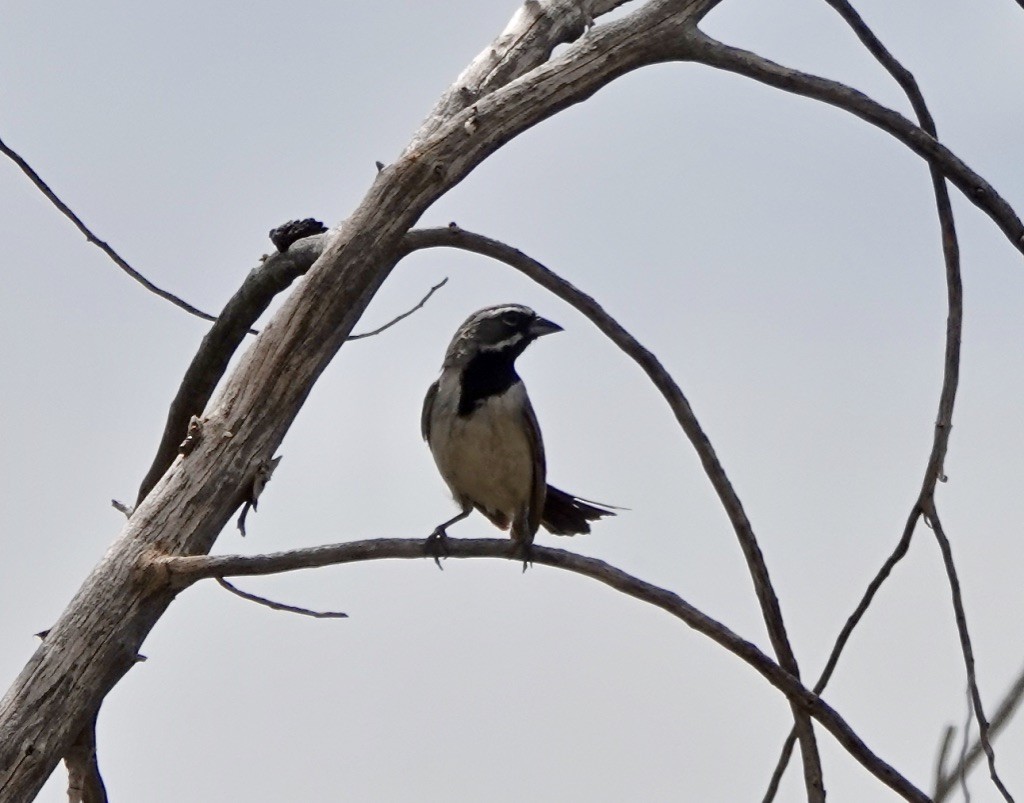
404	315
280	606
968	651
454	237
943	754
944	784
44	188
965	742
182	571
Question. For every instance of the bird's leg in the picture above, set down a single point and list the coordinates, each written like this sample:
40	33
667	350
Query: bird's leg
524	550
523	534
437	542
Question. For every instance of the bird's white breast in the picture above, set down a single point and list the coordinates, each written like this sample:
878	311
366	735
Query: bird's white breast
486	458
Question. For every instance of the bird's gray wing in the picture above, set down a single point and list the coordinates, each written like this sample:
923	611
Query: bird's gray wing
428	409
539	485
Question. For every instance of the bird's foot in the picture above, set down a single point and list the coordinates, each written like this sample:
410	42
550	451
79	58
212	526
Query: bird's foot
524	551
436	546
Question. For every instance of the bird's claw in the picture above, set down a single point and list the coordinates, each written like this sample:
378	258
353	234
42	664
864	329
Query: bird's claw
437	546
524	551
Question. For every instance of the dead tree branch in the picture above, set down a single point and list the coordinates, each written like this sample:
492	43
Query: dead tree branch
96	639
951	368
404	315
945	782
274	275
705	50
180	572
116	258
279	606
453	236
968	652
261	286
85	784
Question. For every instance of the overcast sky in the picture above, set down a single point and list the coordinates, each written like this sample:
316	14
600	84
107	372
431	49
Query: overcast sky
781	258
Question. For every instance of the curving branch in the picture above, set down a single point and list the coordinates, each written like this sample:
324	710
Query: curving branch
703	49
951	368
925	505
116	258
178	572
96	639
454	237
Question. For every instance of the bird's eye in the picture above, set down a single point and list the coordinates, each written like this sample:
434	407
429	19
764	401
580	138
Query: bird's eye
510	318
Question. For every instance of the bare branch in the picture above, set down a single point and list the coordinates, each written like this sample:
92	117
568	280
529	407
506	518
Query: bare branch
85	784
280	606
965	646
404	315
945	783
528	40
705	50
64	209
844	636
453	236
190	506
951	369
942	755
274	274
182	571
962	777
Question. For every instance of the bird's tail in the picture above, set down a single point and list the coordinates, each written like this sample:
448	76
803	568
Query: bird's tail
565	514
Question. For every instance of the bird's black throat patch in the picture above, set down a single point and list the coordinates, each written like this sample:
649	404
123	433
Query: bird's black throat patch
489	373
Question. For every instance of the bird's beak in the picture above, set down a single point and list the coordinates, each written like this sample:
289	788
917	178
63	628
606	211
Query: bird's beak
542	326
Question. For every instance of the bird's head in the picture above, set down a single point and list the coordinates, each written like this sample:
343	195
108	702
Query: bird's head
504	329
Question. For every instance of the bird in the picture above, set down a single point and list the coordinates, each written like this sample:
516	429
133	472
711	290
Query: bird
483	434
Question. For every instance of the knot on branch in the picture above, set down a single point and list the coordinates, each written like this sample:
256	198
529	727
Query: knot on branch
152	572
287	233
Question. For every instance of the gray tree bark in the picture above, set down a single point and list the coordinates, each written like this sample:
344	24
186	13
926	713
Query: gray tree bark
511	86
97	638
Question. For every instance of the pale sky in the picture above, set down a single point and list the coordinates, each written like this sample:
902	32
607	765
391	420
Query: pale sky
780	257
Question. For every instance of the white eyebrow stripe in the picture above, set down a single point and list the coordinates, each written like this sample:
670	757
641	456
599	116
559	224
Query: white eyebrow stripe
504	344
495	312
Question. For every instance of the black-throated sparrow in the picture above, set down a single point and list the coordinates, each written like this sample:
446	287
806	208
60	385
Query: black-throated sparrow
484	436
